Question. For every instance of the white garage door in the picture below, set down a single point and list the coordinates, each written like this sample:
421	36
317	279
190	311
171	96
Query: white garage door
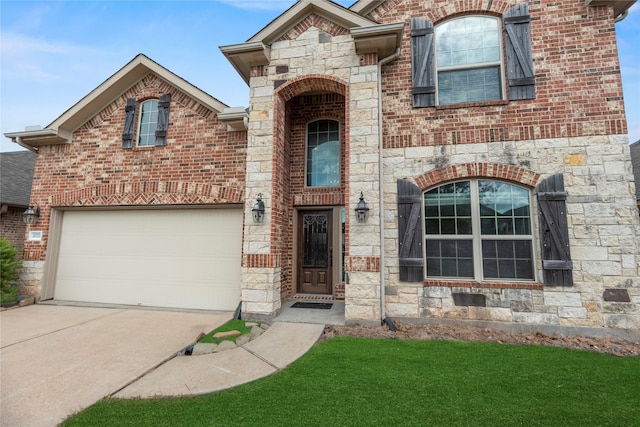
183	258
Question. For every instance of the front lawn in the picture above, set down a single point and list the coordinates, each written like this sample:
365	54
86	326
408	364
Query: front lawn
356	381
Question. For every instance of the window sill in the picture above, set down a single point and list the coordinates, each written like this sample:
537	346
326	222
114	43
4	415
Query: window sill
487	285
472	104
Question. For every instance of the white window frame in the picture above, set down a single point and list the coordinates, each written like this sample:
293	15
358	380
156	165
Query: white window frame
478	65
306	153
477	238
150	137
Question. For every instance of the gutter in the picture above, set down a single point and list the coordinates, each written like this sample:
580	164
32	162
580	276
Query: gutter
382	62
621	16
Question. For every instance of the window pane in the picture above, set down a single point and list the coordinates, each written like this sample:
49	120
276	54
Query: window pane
148	123
448	209
448	226
432	226
449	258
475	85
507	259
323	154
504	209
464	226
468	40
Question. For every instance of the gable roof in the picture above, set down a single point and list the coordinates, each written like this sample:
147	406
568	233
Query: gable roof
302	9
635	162
16	177
61	129
369	36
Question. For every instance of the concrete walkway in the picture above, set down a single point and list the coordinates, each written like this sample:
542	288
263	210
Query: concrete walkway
58	360
280	345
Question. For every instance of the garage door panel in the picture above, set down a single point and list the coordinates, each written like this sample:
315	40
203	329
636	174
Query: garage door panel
186	258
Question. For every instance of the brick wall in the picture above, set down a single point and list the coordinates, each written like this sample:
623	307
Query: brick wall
202	162
578	86
13	228
574	126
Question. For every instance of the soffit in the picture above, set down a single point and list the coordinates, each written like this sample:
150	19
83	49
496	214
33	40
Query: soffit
619	6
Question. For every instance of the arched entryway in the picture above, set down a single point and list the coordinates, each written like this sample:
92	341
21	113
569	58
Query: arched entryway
310	184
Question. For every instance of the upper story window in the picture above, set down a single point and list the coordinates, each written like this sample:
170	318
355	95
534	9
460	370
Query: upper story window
323	154
478	230
468	60
148	123
461	61
153	123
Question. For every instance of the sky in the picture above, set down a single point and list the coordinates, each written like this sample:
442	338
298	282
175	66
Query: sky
53	53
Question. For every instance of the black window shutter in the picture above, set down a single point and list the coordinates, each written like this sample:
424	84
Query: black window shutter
422	64
163	119
129	123
410	232
517	40
554	232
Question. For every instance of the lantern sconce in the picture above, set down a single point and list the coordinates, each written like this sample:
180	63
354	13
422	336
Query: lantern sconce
31	215
362	210
258	210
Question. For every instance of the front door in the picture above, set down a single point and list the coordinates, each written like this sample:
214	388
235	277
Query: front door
315	252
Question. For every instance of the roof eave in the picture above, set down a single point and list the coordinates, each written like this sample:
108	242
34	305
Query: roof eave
236	119
119	83
383	39
619	6
31	139
246	55
303	8
364	7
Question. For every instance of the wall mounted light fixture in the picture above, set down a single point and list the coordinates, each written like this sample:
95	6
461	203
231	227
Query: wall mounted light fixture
31	215
258	210
362	210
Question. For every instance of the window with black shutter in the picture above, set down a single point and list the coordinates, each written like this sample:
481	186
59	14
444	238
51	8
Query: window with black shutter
163	119
410	232
152	124
554	232
478	230
461	60
422	66
129	123
519	58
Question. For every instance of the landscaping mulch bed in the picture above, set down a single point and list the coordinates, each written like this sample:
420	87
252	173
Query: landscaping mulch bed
613	346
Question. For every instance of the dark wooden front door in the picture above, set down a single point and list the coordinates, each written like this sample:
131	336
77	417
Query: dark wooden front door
315	252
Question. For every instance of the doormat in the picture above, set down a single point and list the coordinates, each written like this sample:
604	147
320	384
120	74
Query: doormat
322	305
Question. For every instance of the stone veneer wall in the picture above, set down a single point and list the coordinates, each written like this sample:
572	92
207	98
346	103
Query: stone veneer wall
575	126
316	55
604	236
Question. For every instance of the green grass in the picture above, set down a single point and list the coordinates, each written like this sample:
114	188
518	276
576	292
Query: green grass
231	325
372	382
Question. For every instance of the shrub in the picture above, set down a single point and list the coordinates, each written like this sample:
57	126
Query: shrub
9	268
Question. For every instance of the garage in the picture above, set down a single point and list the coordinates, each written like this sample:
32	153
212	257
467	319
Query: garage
179	258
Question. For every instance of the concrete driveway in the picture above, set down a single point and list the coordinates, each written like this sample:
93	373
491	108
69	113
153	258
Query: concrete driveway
57	360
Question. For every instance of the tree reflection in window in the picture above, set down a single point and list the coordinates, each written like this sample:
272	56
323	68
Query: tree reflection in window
323	154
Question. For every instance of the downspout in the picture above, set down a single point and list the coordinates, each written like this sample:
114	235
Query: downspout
384	61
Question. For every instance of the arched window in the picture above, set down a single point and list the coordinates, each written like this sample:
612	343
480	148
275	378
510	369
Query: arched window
148	123
478	230
323	154
468	60
472	59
